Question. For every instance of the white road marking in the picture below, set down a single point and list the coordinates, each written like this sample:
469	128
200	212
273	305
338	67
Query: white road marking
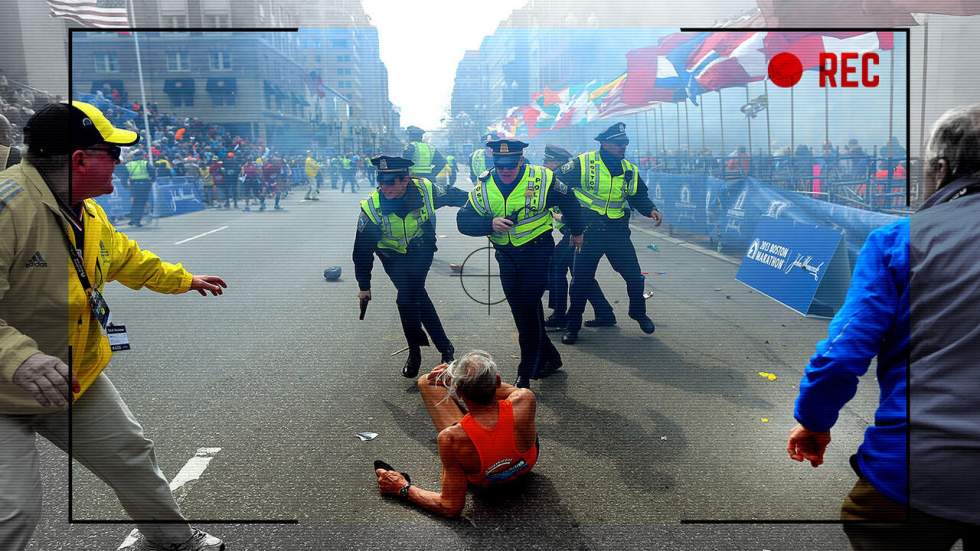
201	235
190	472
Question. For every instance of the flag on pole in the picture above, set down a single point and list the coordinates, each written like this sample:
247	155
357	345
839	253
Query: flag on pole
660	73
105	14
729	59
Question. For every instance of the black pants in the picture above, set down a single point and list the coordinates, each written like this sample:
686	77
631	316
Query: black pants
524	276
614	242
415	308
561	263
141	192
349	178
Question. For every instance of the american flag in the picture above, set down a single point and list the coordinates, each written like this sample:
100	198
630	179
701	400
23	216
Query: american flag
104	14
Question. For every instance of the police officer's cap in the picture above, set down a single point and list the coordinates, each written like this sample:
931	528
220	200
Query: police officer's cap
506	153
557	154
390	168
332	273
615	133
414	131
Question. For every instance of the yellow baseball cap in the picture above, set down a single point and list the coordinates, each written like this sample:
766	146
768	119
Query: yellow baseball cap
61	128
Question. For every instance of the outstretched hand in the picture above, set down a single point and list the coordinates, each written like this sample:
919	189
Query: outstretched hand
204	283
807	445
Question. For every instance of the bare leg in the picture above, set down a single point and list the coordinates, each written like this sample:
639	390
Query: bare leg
443	410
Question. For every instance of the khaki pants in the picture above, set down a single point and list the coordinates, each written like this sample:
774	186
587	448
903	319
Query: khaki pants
109	442
873	522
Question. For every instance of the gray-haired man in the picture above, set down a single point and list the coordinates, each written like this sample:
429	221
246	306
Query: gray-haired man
494	443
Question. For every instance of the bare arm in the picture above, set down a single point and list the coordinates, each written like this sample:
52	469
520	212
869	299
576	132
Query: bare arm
450	500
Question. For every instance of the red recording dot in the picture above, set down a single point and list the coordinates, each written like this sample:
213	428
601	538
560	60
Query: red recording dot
785	70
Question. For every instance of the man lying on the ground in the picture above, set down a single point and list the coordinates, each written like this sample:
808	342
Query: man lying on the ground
494	443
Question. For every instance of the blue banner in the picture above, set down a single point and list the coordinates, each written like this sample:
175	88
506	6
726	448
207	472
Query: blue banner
745	203
685	199
800	265
177	195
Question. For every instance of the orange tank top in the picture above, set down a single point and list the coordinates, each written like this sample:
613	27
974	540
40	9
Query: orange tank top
499	459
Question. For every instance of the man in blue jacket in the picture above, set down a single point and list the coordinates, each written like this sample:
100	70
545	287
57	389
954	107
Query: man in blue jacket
923	268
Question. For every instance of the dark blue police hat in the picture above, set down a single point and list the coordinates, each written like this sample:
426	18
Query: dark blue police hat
391	165
614	133
506	153
414	131
557	154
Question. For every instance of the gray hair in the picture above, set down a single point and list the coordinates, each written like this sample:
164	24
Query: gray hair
956	138
473	376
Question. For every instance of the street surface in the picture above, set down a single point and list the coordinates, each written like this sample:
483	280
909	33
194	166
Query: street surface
637	434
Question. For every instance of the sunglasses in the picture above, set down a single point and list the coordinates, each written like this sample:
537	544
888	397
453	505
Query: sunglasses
113	151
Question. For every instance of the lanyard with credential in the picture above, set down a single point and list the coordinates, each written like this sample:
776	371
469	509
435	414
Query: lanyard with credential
97	303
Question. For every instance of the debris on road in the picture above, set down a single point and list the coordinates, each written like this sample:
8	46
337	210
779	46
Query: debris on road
764	419
456	268
647	294
653	247
365	436
767	375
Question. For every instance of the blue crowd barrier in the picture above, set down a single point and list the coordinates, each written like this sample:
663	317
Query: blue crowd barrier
171	195
729	211
174	195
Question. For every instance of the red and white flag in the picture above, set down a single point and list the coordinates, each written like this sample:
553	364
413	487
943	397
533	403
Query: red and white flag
729	59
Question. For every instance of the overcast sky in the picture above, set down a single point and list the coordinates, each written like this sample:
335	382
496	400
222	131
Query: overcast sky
422	42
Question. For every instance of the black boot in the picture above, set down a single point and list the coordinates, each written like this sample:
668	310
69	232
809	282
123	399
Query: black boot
601	322
555	320
549	367
646	324
412	364
522	382
570	337
448	355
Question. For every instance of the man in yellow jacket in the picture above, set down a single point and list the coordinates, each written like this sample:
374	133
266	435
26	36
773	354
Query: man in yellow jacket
312	169
57	252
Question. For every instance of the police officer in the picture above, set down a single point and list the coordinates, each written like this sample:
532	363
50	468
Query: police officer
398	222
480	159
607	185
561	263
428	161
139	171
511	205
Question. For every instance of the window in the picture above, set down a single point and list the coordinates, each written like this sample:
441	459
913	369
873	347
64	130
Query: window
178	62
106	62
218	100
340	43
344	84
218	21
178	100
343	59
221	61
344	72
174	21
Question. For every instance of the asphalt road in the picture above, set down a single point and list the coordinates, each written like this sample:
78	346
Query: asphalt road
638	434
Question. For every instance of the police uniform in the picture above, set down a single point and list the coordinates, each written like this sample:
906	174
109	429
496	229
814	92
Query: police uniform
607	187
522	252
428	162
480	162
402	233
561	263
139	171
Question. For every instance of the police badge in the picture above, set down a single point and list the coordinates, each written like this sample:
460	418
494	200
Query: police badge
361	222
567	167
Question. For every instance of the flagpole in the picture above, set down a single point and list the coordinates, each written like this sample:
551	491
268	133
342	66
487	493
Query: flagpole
792	122
656	140
139	68
646	129
701	110
826	115
925	72
687	127
677	110
891	91
663	133
748	119
765	84
721	119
